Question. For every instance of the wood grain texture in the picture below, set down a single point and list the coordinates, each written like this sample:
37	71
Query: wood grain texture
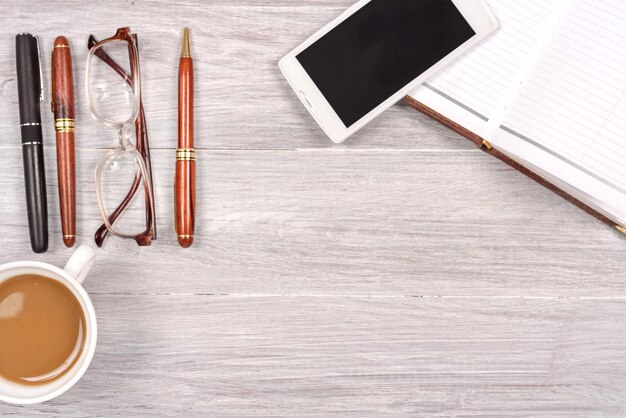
403	272
262	356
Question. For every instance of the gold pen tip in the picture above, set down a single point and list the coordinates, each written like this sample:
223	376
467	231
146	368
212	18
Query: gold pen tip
185	51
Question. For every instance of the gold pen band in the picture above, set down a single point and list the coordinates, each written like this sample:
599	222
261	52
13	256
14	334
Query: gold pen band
62	46
185	236
64	125
185	154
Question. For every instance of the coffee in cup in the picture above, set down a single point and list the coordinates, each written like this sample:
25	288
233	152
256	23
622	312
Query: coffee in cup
42	329
48	328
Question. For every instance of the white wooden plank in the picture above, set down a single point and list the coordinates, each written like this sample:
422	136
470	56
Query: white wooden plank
344	222
233	356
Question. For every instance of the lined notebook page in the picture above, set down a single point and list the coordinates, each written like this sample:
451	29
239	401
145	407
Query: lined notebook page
573	104
481	78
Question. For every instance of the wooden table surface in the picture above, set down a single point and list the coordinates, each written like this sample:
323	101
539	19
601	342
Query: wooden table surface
402	272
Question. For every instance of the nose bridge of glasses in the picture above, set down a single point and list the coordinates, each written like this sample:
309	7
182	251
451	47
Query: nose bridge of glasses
124	135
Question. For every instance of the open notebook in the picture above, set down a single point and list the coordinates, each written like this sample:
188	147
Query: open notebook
547	94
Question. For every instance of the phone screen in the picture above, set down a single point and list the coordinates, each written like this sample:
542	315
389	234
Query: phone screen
380	49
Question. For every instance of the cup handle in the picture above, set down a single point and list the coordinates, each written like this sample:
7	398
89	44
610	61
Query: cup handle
81	262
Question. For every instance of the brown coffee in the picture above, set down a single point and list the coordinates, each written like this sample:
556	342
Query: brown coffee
42	329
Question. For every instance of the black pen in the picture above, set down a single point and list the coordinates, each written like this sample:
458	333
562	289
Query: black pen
30	90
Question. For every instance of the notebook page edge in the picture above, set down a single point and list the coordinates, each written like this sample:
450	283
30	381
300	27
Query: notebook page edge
584	186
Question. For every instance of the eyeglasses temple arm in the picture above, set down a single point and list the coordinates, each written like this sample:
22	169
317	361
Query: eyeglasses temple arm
100	53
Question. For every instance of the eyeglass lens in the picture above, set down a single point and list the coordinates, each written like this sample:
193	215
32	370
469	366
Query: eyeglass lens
119	175
111	94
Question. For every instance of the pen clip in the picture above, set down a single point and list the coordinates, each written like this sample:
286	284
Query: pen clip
40	70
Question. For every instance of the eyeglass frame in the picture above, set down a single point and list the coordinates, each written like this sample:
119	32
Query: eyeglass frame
141	150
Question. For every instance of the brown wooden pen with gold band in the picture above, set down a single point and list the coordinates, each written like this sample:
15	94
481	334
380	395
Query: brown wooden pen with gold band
185	181
63	109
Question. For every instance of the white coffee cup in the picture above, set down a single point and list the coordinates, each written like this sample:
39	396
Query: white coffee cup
72	276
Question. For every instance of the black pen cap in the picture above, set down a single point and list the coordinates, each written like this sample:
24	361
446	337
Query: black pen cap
29	82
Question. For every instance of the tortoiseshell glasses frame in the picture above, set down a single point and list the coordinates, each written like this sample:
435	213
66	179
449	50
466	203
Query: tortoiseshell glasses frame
140	150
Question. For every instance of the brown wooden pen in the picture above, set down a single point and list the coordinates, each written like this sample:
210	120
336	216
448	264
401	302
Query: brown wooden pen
185	182
63	109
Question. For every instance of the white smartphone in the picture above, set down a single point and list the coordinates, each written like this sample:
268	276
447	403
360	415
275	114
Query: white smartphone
372	55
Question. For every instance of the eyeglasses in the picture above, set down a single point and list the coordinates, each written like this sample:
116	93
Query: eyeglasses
114	96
